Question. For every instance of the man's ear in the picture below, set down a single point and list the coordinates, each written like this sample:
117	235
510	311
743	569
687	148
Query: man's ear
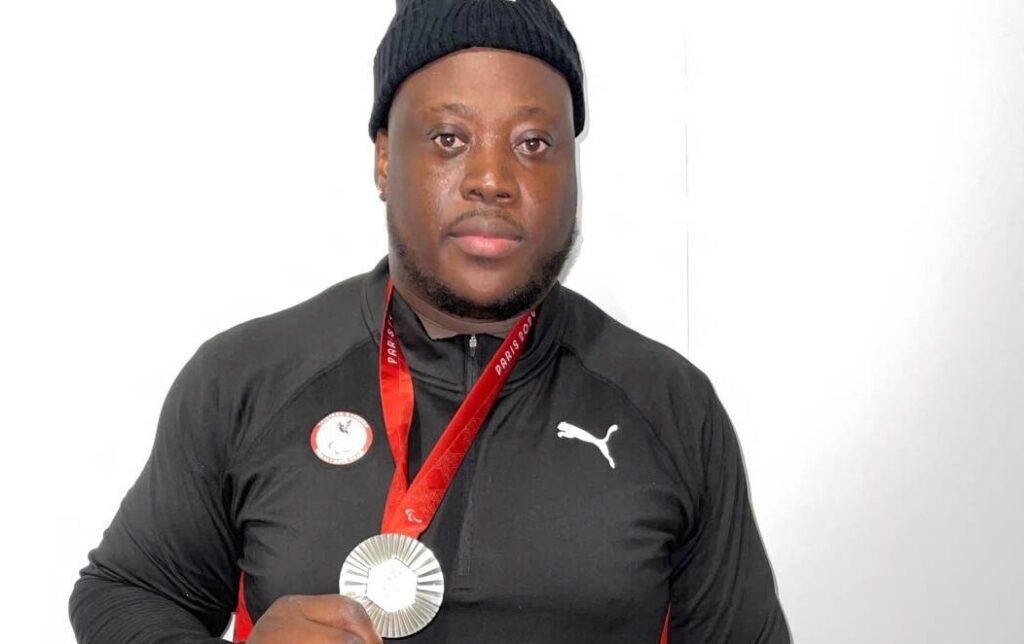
380	164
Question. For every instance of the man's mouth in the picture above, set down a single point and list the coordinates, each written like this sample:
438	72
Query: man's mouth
486	237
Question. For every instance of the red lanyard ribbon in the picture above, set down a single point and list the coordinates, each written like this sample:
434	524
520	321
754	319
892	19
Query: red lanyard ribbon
410	508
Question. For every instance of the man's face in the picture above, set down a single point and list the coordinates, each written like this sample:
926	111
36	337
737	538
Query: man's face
479	170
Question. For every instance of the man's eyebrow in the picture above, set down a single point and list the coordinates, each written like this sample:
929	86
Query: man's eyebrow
457	108
527	110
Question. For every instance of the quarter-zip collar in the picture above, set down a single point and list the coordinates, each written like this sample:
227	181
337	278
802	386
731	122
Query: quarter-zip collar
447	362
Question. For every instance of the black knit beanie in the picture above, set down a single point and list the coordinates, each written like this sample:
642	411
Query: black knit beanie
425	30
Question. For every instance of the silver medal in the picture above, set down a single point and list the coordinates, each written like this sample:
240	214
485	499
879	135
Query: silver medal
397	579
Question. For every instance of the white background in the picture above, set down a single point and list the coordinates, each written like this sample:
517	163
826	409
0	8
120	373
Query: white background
823	207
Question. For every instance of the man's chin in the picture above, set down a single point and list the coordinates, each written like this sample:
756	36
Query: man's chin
500	302
481	290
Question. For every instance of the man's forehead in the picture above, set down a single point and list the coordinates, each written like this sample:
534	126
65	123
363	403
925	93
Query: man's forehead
469	85
470	112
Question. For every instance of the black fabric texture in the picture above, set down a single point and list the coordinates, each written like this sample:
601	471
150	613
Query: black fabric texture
540	539
424	30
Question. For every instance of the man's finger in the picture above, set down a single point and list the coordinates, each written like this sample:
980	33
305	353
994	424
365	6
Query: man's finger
337	611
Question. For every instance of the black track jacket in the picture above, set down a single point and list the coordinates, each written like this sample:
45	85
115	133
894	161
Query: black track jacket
539	537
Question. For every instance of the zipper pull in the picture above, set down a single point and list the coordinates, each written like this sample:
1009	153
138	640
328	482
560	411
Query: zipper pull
472	346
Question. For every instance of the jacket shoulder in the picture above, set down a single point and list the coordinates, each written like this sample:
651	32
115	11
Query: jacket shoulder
244	374
319	328
624	356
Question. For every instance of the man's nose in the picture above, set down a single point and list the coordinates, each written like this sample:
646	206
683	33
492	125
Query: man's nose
489	176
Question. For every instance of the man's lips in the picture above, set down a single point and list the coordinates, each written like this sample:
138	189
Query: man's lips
486	237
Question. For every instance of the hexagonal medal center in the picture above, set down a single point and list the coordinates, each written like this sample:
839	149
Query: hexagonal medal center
391	585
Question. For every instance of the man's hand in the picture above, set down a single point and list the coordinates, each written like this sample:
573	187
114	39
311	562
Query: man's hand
314	619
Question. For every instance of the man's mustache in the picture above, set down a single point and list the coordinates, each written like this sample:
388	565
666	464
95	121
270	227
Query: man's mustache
488	213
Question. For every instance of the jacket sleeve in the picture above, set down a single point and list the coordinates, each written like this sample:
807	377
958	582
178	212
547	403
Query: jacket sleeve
166	569
723	590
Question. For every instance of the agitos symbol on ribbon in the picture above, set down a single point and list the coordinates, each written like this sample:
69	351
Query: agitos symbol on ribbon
394	576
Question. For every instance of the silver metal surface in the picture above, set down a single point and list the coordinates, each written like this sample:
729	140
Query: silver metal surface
397	579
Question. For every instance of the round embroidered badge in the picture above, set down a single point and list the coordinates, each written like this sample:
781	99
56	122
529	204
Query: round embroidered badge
341	438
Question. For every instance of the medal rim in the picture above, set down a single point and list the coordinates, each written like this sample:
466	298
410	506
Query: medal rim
429	583
357	455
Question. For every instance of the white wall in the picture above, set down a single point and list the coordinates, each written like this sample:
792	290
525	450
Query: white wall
853	213
168	170
857	295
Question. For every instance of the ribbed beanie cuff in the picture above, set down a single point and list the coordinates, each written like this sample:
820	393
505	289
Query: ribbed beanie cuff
424	30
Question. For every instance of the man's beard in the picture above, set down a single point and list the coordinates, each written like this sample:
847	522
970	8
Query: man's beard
516	301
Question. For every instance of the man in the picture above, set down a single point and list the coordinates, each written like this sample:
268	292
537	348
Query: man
465	449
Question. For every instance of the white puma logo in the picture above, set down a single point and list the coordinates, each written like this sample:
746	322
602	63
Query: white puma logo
568	430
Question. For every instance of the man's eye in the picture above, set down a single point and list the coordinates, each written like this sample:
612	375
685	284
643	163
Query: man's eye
449	141
534	145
